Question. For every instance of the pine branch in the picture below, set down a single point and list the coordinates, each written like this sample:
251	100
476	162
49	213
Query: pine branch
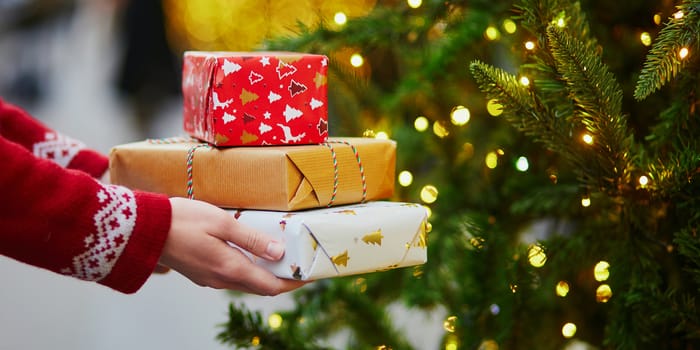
663	61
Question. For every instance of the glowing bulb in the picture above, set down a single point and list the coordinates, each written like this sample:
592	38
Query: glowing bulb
568	330
600	271
562	288
491	160
561	23
451	343
449	324
536	255
340	18
356	60
657	19
524	80
488	344
421	123
509	26
429	194
522	164
460	115
381	135
275	321
643	181
492	33
587	138
440	130
530	45
405	178
414	4
645	37
683	52
586	201
255	341
494	108
678	15
603	293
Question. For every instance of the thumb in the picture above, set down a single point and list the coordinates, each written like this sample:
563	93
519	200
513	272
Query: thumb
254	241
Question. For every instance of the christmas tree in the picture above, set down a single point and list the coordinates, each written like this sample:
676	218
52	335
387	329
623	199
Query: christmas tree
555	145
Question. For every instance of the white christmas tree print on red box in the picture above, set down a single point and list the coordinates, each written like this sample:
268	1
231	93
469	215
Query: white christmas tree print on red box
236	98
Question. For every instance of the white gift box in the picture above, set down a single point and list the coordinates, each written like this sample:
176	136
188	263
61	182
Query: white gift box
343	240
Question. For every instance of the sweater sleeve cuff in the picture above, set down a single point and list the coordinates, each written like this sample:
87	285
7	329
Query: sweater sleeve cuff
143	251
91	162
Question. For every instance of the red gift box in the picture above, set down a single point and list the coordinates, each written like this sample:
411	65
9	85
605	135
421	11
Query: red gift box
255	98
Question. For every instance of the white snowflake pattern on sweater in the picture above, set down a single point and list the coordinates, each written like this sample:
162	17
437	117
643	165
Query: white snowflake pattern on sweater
114	224
57	147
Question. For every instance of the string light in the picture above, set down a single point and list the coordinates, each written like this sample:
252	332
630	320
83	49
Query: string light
536	255
440	130
356	60
643	181
452	342
460	115
340	18
421	123
568	330
530	45
449	324
488	344
683	52
491	160
678	15
524	81
522	164
601	271
603	293
381	135
562	288
587	138
561	23
255	341
405	178
492	33
494	108
645	37
509	26
414	4
275	321
657	19
429	194
585	201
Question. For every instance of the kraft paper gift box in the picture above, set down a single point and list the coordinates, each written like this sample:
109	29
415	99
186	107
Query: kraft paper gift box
255	98
281	178
344	240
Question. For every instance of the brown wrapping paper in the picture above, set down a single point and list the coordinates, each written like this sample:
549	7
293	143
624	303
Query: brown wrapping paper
283	178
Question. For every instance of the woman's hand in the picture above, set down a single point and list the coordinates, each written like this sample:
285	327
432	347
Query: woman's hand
197	248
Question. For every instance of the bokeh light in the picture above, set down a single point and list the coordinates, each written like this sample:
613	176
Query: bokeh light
421	123
601	271
603	293
460	115
274	321
494	108
405	178
356	60
522	164
536	255
562	288
429	194
568	330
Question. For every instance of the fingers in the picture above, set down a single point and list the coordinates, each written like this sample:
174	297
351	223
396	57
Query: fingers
251	239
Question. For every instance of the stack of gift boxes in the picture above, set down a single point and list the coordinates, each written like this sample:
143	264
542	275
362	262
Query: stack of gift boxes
258	145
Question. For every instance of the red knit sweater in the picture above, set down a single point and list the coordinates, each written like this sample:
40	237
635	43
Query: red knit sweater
55	215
